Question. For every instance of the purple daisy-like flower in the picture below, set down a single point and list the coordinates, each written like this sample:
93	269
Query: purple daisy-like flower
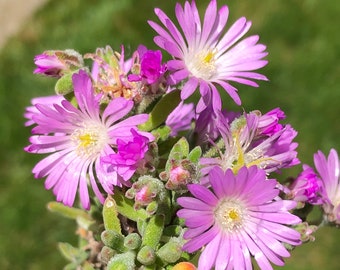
329	171
245	145
206	55
238	218
76	138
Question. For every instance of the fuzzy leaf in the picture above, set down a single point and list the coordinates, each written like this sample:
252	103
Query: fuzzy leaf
179	151
161	110
64	85
110	215
68	212
195	154
153	231
72	254
124	261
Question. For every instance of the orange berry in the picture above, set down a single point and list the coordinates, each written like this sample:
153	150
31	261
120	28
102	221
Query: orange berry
184	266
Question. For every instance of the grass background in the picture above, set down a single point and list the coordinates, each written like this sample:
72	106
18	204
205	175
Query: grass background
304	52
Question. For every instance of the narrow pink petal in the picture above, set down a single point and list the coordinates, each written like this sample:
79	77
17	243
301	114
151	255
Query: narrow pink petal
285	218
259	256
194	232
208	256
189	88
209	21
195	218
216	178
203	194
235	32
116	109
193	203
83	188
223	257
278	206
232	91
201	240
94	185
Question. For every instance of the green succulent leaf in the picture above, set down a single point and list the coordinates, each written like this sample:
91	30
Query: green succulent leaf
74	255
161	110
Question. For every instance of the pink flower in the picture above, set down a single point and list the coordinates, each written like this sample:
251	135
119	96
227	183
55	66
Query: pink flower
244	145
207	55
307	187
238	218
85	134
49	65
151	67
129	156
269	122
57	63
329	170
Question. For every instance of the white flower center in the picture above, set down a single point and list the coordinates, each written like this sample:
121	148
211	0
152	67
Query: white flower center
230	215
202	65
90	140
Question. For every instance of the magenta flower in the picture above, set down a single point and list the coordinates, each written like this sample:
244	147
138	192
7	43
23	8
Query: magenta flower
57	63
49	65
245	145
180	119
206	55
269	122
329	170
307	187
151	67
130	155
84	135
239	218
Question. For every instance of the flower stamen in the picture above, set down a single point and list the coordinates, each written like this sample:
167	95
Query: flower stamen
230	215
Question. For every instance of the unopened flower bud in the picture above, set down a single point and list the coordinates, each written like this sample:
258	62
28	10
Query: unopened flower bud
306	231
145	191
146	255
57	63
178	178
144	196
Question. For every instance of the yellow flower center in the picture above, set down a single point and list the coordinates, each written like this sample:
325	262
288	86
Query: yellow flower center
230	215
90	140
202	65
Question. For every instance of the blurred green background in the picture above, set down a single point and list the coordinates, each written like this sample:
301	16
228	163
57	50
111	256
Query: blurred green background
304	53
